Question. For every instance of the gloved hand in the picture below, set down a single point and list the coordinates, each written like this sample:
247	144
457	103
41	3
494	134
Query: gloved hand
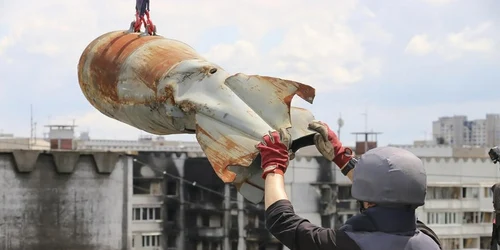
274	152
329	145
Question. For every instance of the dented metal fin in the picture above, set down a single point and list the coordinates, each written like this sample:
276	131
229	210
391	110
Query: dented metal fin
162	86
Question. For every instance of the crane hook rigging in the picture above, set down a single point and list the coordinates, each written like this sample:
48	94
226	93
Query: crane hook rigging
142	17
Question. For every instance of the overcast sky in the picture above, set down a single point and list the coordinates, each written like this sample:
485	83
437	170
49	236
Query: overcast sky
406	61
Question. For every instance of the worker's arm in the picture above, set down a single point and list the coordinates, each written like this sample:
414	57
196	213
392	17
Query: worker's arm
290	229
275	189
275	186
274	157
294	231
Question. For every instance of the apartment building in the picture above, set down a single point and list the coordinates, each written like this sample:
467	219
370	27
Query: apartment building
459	200
198	210
458	131
458	206
190	208
461	216
147	203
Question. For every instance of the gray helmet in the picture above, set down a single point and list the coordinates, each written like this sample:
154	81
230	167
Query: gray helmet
390	176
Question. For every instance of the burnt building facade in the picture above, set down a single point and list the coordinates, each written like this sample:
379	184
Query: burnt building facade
199	211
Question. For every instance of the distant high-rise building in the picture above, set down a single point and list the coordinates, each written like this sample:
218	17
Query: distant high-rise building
458	131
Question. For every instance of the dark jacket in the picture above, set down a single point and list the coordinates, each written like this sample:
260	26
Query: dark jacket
358	233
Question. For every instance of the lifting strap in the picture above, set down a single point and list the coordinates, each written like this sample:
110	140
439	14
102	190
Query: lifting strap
426	230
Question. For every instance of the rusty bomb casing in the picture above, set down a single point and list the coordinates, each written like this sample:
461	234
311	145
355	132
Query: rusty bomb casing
163	86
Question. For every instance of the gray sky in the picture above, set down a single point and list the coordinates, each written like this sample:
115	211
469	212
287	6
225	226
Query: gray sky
406	61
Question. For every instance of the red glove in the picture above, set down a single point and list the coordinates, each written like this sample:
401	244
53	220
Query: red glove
274	153
329	145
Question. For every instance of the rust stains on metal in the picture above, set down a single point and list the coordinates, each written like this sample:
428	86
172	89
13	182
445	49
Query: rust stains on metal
229	153
306	92
160	59
167	96
187	106
108	60
150	57
85	77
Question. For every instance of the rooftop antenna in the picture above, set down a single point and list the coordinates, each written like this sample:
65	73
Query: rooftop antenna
366	127
340	122
32	129
34	132
365	114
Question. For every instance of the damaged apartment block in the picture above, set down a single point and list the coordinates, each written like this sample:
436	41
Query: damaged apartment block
178	196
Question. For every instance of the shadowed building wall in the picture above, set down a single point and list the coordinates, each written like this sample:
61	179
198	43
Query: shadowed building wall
65	200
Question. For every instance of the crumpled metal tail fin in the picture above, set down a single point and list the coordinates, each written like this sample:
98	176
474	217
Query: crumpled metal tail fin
270	97
234	157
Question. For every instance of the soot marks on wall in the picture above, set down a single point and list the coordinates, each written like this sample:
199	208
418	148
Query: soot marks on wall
201	171
152	164
44	209
53	212
149	168
158	171
325	171
328	191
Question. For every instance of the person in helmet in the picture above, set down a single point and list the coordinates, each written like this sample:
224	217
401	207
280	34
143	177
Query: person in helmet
389	184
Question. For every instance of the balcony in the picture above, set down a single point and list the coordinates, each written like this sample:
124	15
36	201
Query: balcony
171	201
205	206
206	232
145	225
170	226
465	204
146	199
458	230
257	234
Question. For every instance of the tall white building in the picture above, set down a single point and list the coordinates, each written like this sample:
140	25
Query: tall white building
458	131
459	200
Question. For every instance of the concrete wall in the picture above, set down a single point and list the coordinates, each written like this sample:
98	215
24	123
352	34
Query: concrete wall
445	151
448	170
65	200
428	151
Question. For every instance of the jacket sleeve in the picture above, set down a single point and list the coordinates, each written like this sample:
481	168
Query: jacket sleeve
298	233
426	230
